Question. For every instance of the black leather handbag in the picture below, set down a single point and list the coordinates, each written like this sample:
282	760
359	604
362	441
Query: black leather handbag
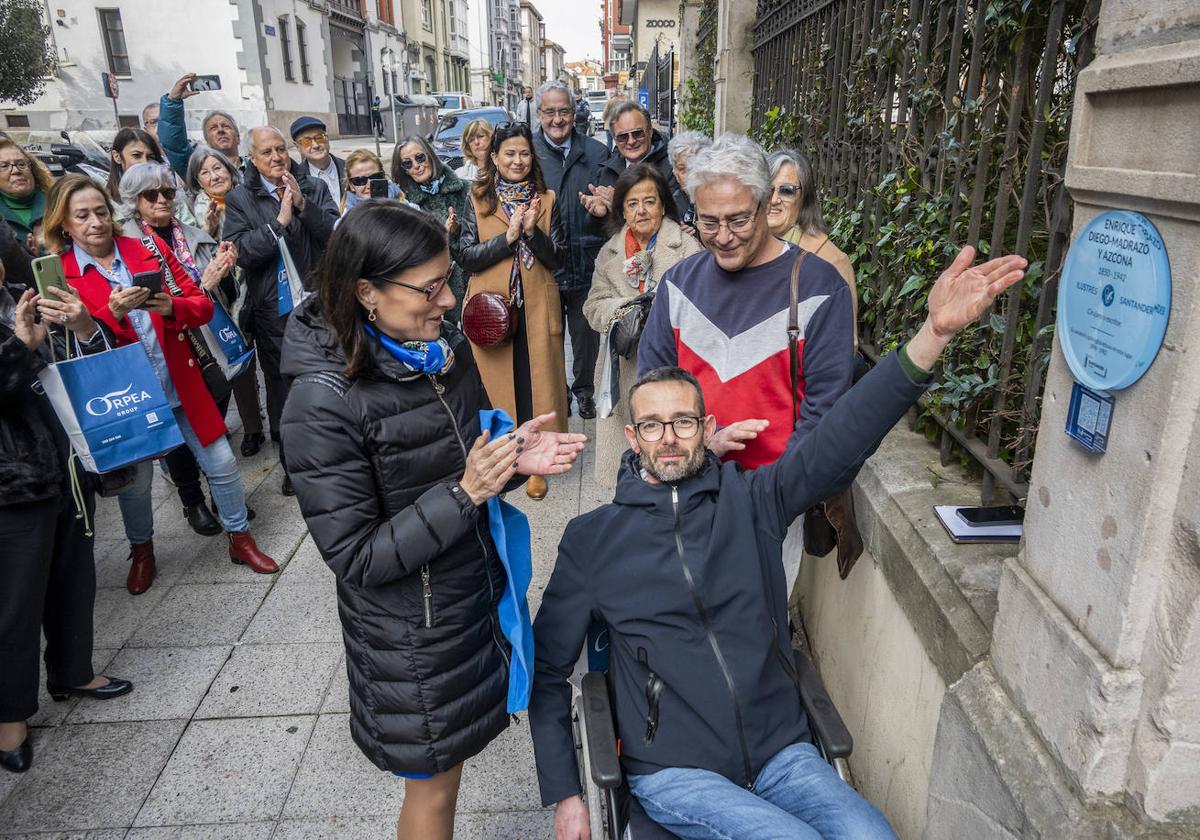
627	326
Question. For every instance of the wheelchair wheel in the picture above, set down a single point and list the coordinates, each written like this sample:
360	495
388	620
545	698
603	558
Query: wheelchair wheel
593	794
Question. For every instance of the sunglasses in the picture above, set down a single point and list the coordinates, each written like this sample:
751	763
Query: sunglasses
418	158
152	195
788	190
363	180
627	137
312	140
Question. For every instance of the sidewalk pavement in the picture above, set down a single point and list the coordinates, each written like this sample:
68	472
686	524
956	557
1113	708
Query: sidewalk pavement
238	728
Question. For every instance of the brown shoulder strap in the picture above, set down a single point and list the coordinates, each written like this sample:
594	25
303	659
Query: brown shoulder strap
793	331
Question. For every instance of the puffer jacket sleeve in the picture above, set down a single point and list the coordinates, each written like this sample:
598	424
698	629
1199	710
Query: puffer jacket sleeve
336	487
476	256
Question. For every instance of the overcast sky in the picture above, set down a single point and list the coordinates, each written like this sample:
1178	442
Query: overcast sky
573	23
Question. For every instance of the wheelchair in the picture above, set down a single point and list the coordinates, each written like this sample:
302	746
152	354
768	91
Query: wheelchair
613	812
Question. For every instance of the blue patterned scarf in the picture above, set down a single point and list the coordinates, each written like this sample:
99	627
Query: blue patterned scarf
418	356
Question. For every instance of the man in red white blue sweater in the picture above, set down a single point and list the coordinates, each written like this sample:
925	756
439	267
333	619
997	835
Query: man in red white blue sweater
722	315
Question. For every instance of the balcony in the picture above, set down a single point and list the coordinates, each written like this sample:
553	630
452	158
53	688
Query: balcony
622	42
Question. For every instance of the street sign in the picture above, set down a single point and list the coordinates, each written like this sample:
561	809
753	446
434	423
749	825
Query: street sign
111	87
644	98
1114	300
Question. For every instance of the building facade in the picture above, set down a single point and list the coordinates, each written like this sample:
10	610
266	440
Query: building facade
588	75
533	36
554	62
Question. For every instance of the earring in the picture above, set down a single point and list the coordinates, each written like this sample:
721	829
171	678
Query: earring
371	316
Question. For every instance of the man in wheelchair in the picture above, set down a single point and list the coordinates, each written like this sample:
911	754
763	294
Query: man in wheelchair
684	567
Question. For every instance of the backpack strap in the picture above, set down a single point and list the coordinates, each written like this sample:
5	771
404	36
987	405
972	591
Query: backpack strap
793	331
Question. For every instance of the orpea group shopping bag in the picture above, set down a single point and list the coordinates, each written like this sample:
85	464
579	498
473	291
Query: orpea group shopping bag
226	343
112	408
288	286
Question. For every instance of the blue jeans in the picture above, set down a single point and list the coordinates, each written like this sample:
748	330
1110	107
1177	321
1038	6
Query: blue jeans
797	796
224	480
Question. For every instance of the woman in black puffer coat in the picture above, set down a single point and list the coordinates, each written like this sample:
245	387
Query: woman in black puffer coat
382	440
47	578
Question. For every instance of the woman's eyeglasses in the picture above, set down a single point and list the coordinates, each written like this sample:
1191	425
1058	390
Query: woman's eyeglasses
312	140
14	165
431	291
653	430
418	159
363	180
152	195
627	137
787	190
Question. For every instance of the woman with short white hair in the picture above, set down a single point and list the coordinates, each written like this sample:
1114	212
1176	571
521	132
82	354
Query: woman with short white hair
680	149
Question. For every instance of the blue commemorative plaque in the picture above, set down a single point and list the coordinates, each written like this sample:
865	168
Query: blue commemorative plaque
1114	300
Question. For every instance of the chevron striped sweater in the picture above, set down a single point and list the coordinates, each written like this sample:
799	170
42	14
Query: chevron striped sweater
730	331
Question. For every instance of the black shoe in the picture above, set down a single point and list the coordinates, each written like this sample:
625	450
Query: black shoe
115	688
287	489
202	520
251	443
20	759
587	407
275	437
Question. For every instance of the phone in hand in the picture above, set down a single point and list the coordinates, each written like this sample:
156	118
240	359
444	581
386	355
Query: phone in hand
47	272
151	280
992	516
205	83
379	188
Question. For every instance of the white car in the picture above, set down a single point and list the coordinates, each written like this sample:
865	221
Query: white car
454	101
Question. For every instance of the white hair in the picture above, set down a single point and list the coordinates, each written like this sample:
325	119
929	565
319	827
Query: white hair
687	143
248	138
731	156
553	84
140	177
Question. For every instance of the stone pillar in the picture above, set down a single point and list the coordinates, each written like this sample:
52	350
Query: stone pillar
689	31
735	65
1093	683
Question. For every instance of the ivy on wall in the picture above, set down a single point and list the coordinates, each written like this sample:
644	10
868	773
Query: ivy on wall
698	99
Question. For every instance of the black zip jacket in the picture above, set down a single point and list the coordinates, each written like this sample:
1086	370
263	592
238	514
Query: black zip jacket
612	168
689	581
568	177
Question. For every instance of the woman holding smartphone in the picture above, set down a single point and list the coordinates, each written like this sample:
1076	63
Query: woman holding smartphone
101	265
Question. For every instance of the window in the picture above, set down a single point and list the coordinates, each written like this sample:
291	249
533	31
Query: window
114	41
285	48
386	12
302	43
129	121
17	120
427	14
450	12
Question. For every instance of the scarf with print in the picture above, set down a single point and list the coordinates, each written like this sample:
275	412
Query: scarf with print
433	187
434	358
637	262
178	245
514	198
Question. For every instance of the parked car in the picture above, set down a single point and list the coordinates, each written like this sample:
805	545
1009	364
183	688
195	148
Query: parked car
453	101
596	105
447	140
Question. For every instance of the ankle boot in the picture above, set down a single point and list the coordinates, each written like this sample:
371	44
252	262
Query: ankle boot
242	549
201	520
141	567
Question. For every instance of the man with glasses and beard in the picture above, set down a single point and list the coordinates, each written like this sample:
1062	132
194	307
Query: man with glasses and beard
635	140
683	567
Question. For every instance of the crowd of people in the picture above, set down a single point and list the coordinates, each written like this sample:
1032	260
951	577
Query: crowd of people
711	324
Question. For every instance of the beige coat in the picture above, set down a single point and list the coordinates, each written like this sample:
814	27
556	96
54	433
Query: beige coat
820	245
543	319
610	291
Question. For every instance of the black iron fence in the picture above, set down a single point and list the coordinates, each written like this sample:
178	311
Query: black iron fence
659	82
935	123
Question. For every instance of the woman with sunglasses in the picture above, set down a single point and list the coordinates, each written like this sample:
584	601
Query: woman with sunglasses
431	186
364	168
512	241
100	265
794	215
382	439
130	147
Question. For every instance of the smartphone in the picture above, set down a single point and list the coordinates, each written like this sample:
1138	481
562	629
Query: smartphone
379	188
151	280
47	272
205	83
1001	515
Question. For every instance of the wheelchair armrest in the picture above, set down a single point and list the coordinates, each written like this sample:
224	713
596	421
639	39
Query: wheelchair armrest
605	766
828	726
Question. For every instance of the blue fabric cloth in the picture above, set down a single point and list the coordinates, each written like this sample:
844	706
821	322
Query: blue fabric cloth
418	356
120	277
510	533
433	187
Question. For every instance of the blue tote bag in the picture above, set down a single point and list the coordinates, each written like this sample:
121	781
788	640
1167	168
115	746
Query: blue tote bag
226	343
112	408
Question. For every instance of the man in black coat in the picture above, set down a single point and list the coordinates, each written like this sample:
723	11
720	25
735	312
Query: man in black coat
276	199
635	140
570	161
684	569
308	133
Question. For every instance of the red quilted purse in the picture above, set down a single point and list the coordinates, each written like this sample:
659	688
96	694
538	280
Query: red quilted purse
489	319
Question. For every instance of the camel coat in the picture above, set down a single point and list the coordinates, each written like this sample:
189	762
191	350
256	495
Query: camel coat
610	291
484	252
820	245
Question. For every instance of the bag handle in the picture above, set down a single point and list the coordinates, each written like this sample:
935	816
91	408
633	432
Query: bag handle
203	355
793	332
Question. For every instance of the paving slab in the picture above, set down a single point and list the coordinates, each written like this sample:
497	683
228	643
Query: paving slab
51	712
117	614
167	683
336	779
270	680
337	697
502	777
297	612
103	834
90	776
201	614
228	771
236	831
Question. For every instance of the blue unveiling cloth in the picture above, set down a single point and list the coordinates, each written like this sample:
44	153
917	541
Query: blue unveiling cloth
510	533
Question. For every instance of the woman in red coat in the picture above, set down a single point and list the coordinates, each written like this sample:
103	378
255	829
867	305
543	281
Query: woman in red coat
100	264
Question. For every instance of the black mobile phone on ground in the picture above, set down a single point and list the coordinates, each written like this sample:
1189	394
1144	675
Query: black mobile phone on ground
205	83
379	188
151	280
992	516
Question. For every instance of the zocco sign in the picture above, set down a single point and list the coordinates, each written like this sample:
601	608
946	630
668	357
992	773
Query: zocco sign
100	406
660	24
